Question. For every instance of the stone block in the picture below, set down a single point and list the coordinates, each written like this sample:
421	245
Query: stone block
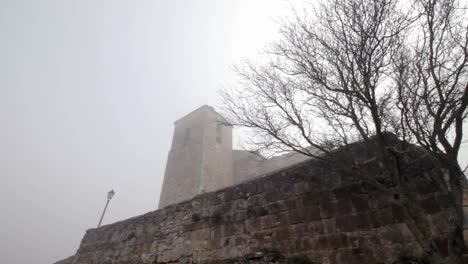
296	215
341	193
311	199
275	207
443	200
465	216
234	229
301	244
328	208
381	217
209	199
442	244
273	196
439	222
360	203
363	221
293	203
338	240
348	223
249	189
355	256
256	211
300	188
398	213
191	227
425	186
391	234
329	225
240	204
344	207
262	236
320	242
315	227
240	216
219	198
229	195
312	213
242	240
252	225
216	218
287	246
430	205
406	232
287	191
201	234
217	232
227	207
256	200
214	244
300	229
282	218
283	233
267	222
379	202
345	223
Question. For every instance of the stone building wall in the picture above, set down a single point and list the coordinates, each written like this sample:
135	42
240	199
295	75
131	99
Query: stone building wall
200	158
218	171
248	166
245	165
304	209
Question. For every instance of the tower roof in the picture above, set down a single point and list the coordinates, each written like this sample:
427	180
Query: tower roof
201	108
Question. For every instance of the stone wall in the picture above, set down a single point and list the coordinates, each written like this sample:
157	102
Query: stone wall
200	159
249	166
305	209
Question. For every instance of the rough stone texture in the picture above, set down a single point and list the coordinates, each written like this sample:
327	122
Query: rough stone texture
306	209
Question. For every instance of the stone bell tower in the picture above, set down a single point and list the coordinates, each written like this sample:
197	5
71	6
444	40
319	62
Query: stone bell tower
200	159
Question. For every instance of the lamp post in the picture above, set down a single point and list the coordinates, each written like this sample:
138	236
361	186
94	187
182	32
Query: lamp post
110	194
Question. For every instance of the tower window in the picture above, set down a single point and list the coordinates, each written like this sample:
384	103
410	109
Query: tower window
187	135
219	135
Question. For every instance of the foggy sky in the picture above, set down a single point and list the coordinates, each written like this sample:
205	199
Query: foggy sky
89	91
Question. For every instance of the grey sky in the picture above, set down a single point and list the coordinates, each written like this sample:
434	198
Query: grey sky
89	91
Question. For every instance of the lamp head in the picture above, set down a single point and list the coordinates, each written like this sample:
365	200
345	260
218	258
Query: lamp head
110	194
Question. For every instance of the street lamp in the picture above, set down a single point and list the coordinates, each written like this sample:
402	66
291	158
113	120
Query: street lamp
110	194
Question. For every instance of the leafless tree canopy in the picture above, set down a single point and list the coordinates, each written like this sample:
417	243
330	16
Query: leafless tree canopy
431	78
351	70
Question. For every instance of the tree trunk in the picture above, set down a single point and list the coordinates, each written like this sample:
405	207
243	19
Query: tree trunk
417	222
456	246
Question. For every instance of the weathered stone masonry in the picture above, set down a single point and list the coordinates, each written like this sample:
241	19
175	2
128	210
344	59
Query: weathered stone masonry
202	160
304	209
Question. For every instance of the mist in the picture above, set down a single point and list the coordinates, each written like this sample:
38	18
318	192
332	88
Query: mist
89	91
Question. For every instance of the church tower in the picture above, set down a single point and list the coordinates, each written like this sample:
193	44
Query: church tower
200	159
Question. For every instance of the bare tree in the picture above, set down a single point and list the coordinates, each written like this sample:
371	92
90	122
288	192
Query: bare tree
355	70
